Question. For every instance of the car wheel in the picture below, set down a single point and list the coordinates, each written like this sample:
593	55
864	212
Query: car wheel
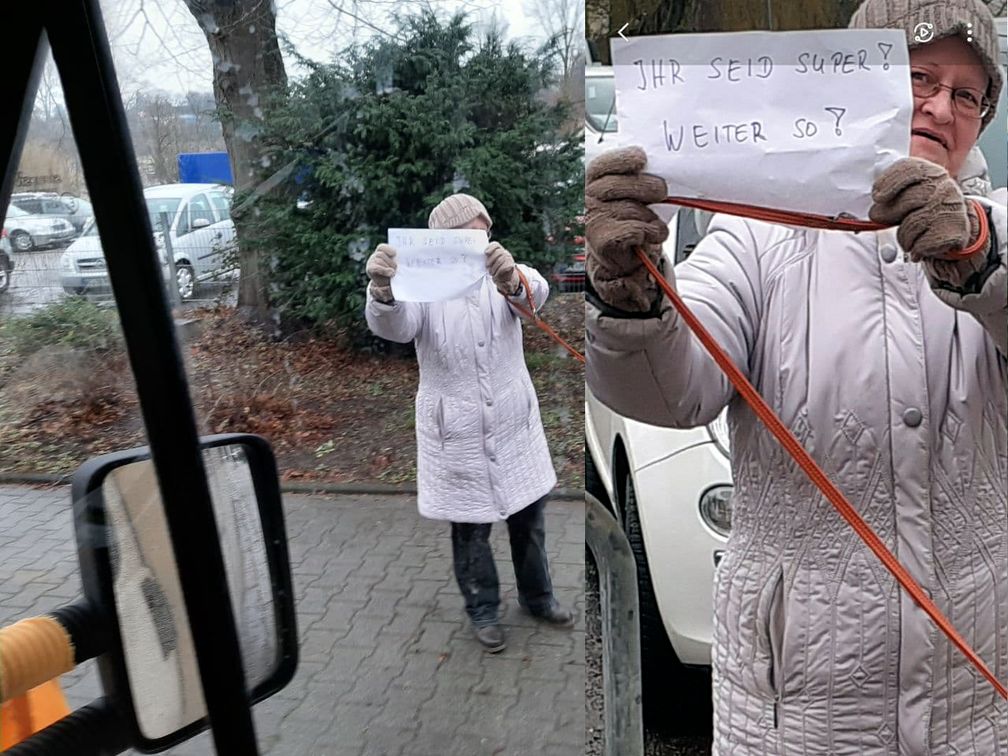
676	698
22	241
186	280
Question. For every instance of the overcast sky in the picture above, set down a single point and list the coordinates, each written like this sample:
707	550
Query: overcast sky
158	45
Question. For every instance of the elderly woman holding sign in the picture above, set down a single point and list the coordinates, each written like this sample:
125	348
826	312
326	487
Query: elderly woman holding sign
482	454
889	362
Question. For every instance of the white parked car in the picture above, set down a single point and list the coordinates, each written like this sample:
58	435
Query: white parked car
671	491
201	236
600	111
28	231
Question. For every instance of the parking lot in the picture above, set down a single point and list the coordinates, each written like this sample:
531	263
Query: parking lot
35	283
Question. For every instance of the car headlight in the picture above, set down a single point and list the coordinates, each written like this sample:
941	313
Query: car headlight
716	509
718	431
67	263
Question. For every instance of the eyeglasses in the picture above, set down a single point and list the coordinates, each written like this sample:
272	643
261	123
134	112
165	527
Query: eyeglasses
966	101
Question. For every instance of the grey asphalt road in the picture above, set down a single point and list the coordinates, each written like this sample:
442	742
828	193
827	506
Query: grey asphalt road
388	664
656	743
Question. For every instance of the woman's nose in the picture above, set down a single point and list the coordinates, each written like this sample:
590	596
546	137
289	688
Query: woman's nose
939	106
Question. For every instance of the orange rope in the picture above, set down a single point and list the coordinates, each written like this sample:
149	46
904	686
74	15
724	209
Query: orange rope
817	476
532	314
810	220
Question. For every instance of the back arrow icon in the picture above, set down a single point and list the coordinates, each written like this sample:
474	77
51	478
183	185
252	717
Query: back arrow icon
620	32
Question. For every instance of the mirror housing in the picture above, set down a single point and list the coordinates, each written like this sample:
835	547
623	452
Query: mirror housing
129	574
200	223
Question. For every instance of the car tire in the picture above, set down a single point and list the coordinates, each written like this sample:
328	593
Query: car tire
185	280
21	241
676	698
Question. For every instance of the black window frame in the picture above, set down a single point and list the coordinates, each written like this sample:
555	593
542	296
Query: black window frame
74	32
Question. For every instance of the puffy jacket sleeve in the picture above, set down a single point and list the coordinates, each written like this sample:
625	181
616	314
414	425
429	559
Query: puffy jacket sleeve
398	321
979	287
653	369
539	286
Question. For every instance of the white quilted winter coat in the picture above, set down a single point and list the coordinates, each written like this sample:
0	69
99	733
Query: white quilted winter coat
481	449
901	397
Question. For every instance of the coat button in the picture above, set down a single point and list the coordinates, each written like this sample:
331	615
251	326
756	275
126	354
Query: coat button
492	458
888	253
480	343
912	417
489	402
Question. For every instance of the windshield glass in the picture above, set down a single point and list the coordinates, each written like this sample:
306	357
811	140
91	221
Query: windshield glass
158	205
13	211
600	96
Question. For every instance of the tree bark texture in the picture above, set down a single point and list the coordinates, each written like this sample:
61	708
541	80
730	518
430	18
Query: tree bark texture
248	74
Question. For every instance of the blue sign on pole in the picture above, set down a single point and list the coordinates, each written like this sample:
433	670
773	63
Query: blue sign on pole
205	168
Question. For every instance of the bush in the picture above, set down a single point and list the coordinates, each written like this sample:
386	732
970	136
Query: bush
74	322
377	141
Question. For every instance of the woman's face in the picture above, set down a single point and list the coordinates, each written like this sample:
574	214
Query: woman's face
477	223
938	133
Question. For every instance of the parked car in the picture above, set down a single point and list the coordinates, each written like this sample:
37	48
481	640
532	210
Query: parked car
569	275
671	491
28	231
6	261
73	209
600	111
201	236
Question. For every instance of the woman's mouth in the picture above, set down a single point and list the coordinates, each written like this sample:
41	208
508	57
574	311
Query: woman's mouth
933	136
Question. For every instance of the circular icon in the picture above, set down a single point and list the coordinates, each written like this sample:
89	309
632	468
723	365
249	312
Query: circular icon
969	32
923	32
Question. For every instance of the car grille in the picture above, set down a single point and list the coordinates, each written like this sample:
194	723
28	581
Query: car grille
91	263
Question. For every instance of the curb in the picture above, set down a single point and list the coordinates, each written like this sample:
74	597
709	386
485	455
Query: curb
375	489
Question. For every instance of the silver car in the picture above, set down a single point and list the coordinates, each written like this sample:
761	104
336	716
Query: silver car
28	231
201	237
73	209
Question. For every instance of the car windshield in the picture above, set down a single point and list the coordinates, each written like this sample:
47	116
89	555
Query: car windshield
158	205
600	96
13	211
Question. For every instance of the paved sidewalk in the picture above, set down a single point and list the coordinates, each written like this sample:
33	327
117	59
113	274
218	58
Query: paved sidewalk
388	664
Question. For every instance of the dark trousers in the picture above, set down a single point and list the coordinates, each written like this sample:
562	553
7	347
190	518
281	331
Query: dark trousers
477	574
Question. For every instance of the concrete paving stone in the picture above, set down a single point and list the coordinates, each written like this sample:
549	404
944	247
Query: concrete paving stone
380	605
437	636
388	737
398	579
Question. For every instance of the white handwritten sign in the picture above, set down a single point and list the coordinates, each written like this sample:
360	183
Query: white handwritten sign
790	120
434	265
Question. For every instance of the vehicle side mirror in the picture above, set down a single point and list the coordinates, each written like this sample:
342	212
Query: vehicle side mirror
200	223
128	570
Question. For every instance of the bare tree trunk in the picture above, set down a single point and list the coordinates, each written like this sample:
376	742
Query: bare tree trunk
248	73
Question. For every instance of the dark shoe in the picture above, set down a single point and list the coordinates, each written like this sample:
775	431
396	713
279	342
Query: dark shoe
492	638
555	615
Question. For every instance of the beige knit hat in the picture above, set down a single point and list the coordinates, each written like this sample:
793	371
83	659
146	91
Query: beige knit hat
457	210
947	18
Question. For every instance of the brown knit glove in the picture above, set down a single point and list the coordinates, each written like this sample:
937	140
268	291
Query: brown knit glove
927	204
618	221
381	266
503	271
